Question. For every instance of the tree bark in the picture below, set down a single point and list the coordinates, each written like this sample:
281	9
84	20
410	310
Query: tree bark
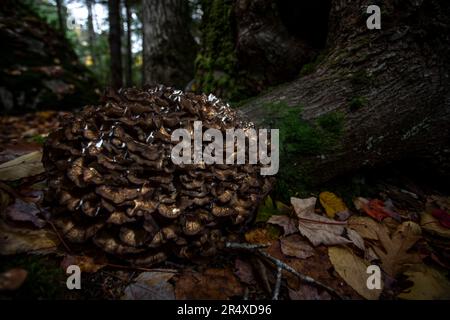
129	54
59	8
91	32
169	48
115	43
391	86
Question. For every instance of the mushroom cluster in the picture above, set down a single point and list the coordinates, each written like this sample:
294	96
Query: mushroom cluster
112	180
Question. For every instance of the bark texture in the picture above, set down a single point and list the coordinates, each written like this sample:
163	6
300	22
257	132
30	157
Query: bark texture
388	87
129	55
169	48
115	43
91	32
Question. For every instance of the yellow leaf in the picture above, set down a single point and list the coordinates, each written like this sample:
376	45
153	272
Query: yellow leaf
331	203
24	166
20	240
353	270
429	284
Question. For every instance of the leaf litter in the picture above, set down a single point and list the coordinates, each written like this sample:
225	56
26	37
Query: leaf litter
331	243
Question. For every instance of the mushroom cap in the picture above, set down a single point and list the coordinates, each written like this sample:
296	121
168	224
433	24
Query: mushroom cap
112	180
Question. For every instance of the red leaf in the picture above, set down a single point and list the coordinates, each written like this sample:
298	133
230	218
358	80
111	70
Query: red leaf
442	216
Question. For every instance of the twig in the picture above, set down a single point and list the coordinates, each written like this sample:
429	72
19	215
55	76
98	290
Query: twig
276	290
61	238
141	268
280	264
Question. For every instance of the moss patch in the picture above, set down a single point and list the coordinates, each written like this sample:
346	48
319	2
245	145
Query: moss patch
216	63
301	142
357	103
45	279
309	68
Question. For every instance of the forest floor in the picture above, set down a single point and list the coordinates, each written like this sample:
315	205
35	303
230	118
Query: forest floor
390	218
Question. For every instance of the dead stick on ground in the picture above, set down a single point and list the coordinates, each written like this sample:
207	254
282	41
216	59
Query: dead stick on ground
280	264
276	290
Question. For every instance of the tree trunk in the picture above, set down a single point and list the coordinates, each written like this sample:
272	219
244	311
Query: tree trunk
169	48
91	32
59	8
129	54
388	90
115	43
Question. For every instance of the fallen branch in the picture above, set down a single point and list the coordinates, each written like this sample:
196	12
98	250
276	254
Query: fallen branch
280	265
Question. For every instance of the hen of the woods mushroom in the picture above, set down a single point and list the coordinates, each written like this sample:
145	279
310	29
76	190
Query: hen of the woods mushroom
112	181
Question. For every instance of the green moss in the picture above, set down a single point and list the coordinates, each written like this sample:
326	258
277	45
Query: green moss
357	103
216	63
40	139
301	139
309	68
45	279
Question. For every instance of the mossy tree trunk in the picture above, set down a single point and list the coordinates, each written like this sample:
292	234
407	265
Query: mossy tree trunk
378	96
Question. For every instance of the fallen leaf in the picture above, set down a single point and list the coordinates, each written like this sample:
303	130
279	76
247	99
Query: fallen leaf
352	269
12	279
310	268
244	271
10	151
24	166
366	227
332	204
394	255
288	224
375	208
20	240
216	284
86	263
150	286
322	230
22	211
259	235
442	216
429	284
295	246
431	224
308	292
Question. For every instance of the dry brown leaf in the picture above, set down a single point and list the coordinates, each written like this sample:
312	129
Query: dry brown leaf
295	246
244	271
353	270
150	286
321	230
394	255
12	279
15	240
218	284
308	292
365	226
429	284
22	211
86	263
24	166
259	235
288	224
